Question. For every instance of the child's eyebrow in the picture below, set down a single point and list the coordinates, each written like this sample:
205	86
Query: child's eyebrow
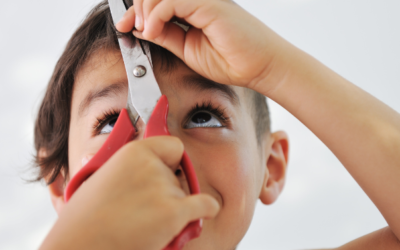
94	95
190	81
200	83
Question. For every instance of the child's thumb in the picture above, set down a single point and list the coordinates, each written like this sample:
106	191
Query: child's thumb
199	206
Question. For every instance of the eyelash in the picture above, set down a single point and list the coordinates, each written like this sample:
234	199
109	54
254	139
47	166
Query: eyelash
205	106
102	120
208	106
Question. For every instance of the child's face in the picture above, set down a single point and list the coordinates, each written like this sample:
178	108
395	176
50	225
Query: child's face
229	164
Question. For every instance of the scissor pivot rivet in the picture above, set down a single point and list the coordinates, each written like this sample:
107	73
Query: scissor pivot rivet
139	71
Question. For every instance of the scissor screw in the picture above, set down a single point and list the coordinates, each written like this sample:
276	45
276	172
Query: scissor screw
139	71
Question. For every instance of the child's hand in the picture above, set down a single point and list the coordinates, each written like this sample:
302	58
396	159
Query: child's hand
133	202
229	46
225	43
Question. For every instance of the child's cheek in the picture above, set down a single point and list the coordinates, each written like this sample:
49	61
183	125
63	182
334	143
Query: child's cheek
234	175
227	172
86	159
237	179
81	153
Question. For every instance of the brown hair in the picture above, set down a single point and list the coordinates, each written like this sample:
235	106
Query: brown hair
97	32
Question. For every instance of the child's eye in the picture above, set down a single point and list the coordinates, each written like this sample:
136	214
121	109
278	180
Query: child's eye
203	119
108	127
105	123
205	115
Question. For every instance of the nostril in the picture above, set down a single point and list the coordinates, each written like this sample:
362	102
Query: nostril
178	172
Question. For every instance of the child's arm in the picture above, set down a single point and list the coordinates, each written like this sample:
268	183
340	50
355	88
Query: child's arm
131	198
228	45
382	239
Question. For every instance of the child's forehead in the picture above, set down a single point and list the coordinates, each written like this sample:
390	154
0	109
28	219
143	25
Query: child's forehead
105	68
100	62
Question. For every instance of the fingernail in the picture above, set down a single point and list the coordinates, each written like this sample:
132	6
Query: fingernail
138	22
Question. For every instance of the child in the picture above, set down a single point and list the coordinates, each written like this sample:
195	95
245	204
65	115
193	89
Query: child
134	201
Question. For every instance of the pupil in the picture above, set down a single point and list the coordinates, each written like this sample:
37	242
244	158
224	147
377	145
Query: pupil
201	118
112	122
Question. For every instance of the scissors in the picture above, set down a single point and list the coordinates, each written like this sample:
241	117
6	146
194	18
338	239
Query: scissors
144	97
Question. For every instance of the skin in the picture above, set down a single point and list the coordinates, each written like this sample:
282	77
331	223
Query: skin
235	173
362	132
220	46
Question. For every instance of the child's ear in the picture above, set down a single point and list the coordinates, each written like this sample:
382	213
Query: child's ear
56	188
276	165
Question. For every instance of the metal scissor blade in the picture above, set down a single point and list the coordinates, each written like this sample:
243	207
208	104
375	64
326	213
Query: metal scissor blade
144	91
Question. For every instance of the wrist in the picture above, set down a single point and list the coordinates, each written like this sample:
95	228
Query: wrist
288	74
282	66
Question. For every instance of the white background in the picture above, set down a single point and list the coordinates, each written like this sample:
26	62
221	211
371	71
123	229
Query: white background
321	205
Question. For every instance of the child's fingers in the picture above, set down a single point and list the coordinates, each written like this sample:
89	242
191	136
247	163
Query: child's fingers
127	22
172	38
155	158
199	14
198	206
168	149
148	6
139	20
156	21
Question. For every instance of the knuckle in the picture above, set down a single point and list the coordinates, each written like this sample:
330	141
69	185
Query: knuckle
140	148
150	171
175	143
171	143
133	146
152	163
141	152
176	140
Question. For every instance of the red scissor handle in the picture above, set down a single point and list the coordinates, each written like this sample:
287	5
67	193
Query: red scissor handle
121	134
157	126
